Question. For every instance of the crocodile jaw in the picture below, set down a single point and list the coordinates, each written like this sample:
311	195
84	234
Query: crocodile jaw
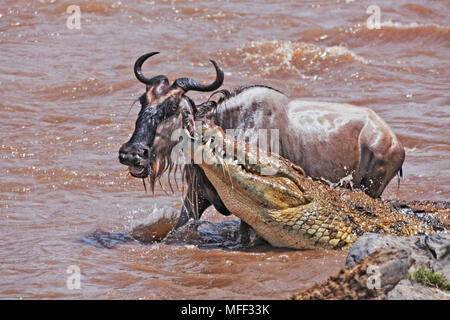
243	171
265	221
258	200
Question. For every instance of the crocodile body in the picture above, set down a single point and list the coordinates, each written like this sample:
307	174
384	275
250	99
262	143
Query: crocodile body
286	208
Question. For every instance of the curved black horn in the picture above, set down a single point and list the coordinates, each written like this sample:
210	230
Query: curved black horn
190	84
138	69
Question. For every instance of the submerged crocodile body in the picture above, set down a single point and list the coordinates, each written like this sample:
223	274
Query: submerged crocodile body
286	208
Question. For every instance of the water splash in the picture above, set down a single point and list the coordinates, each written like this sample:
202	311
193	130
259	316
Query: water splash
277	55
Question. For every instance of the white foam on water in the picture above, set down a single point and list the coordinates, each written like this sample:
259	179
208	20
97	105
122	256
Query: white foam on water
273	55
411	25
410	150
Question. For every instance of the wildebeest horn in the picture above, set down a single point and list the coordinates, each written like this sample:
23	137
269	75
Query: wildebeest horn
138	69
190	84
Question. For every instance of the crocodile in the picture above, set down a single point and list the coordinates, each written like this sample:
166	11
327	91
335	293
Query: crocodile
285	207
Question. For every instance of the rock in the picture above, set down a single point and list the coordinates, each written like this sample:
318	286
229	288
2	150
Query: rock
431	251
370	278
385	275
406	290
377	267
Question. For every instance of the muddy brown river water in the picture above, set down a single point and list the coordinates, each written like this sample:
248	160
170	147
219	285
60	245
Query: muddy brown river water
64	99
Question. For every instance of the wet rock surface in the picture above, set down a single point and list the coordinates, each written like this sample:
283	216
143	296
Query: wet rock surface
407	290
377	267
358	281
431	251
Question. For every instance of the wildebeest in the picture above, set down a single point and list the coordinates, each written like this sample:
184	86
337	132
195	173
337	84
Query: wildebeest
333	142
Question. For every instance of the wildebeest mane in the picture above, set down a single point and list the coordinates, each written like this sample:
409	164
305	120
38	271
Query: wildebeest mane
203	109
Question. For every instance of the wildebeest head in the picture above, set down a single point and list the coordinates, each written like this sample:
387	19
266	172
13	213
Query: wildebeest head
161	107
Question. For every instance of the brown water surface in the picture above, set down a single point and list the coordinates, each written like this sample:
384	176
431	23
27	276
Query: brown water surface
64	100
